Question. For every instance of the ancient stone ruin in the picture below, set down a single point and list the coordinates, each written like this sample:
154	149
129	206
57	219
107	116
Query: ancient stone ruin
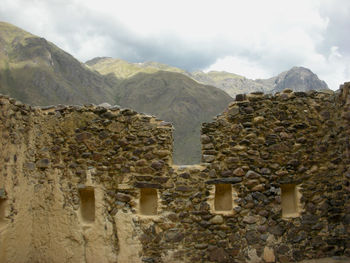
95	184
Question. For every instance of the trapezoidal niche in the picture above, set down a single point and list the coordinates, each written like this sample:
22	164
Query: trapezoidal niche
290	200
148	201
87	204
223	197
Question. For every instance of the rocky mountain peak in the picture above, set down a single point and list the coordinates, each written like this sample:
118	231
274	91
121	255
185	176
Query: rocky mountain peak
299	79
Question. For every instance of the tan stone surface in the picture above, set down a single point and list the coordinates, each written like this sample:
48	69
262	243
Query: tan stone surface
129	245
269	255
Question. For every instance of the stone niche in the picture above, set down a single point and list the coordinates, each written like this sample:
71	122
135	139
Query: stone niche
148	201
223	197
2	211
2	207
87	204
290	198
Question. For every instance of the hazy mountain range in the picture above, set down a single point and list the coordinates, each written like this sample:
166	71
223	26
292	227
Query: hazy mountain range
297	78
35	71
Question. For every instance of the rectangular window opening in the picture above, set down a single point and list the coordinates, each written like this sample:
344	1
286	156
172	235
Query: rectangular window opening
290	199
87	204
148	201
223	197
2	211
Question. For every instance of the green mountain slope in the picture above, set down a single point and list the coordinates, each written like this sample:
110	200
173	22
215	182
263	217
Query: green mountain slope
214	77
176	98
123	69
37	72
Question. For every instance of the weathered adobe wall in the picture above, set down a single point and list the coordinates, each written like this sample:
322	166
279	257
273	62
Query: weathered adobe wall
77	184
49	157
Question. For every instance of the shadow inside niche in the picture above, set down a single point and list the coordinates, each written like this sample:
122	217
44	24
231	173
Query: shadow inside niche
2	211
87	204
148	201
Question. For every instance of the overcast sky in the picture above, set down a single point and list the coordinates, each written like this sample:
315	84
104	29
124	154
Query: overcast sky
253	38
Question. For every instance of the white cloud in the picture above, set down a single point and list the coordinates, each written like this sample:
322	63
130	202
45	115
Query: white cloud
241	66
334	69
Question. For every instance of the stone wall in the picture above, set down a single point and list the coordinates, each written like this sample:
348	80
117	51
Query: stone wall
263	143
90	184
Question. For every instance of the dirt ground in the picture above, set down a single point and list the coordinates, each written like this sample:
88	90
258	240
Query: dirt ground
328	260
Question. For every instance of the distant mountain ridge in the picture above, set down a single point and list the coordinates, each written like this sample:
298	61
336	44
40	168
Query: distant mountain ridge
123	69
297	78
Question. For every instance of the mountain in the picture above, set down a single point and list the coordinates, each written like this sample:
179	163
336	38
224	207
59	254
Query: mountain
37	72
231	83
176	98
214	77
123	69
297	78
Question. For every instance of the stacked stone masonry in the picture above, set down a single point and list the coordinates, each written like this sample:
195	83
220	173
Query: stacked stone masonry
94	184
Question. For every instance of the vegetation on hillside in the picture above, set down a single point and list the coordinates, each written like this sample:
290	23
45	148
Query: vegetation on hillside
176	98
37	72
172	95
123	69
